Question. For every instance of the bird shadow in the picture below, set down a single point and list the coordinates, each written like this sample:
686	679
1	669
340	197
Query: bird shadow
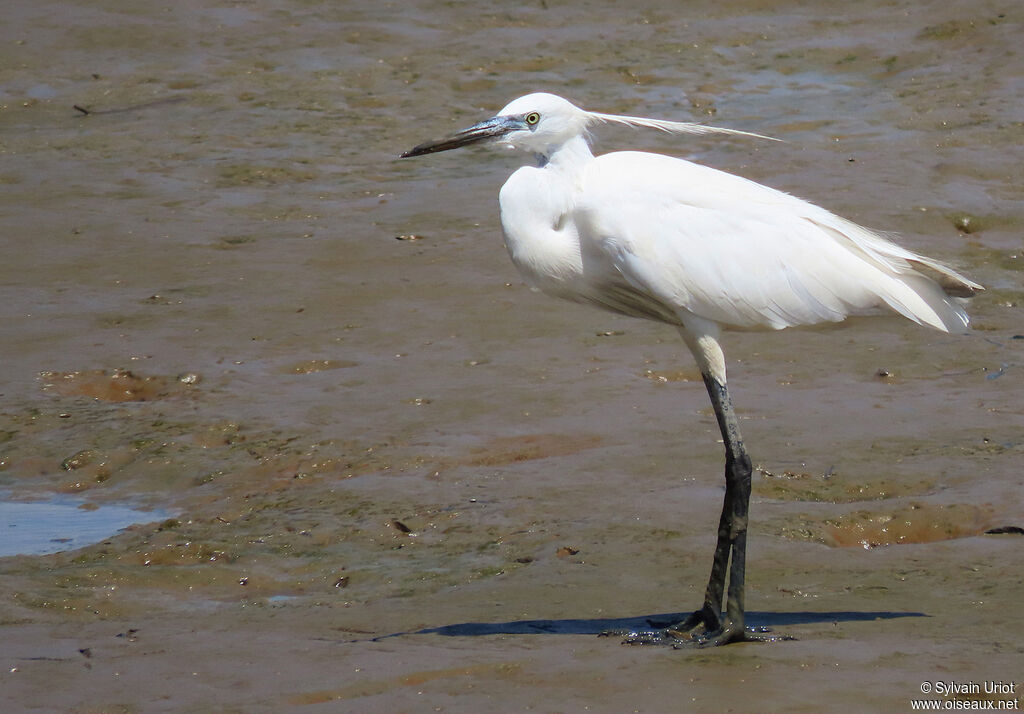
596	626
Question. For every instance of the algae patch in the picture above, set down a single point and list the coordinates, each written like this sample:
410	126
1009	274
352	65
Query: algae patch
916	523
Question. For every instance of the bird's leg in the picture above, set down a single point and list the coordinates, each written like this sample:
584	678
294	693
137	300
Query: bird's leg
730	549
738	472
708	626
710	615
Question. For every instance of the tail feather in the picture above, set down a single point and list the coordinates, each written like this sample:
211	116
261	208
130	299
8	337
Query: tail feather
923	290
921	299
952	282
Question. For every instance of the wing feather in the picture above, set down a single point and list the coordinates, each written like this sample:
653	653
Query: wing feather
697	240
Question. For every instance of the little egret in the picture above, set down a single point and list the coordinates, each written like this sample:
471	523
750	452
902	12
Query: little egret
665	239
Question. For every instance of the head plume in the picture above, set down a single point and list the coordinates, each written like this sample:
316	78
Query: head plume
672	127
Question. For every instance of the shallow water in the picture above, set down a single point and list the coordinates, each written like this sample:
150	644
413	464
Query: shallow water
61	524
206	310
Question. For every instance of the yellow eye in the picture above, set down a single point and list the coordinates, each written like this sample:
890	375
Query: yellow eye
532	118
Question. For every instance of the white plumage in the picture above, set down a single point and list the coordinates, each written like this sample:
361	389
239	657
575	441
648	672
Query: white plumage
665	239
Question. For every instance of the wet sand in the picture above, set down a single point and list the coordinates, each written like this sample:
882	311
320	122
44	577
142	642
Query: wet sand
401	481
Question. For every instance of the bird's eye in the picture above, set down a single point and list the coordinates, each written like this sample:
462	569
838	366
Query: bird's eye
532	118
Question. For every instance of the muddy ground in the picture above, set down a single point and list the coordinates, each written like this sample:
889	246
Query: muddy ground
391	478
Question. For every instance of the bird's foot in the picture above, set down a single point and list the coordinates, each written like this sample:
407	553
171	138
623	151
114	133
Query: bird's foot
703	628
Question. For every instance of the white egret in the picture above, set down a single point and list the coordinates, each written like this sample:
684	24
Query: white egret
666	239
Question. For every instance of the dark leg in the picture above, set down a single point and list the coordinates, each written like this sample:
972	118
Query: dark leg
707	626
732	535
710	615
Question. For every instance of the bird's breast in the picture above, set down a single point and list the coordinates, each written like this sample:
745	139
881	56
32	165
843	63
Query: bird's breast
540	233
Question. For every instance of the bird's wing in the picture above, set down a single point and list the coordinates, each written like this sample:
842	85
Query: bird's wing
730	250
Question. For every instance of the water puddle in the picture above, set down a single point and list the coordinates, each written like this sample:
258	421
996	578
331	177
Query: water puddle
62	523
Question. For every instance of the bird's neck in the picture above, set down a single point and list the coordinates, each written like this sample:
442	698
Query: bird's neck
570	155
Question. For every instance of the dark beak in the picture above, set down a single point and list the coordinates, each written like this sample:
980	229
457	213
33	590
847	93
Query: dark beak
489	129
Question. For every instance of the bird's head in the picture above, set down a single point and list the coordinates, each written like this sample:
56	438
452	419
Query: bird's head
539	123
536	124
